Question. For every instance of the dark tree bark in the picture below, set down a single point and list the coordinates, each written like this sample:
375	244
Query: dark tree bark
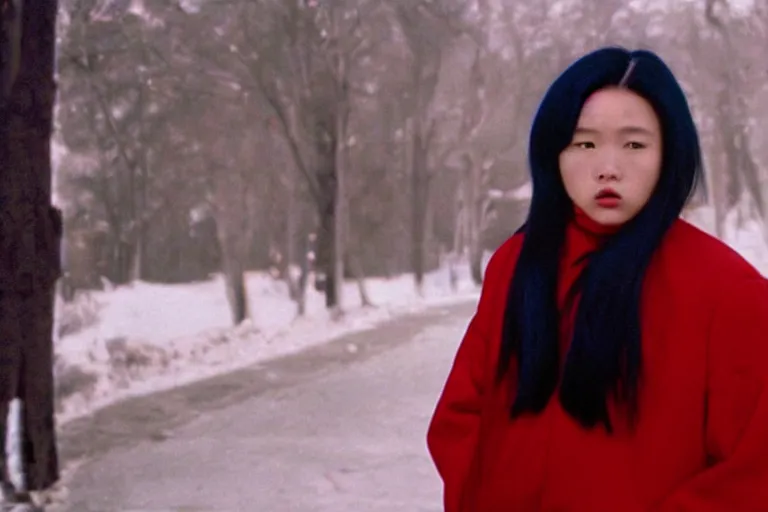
326	247
420	204
233	252
30	231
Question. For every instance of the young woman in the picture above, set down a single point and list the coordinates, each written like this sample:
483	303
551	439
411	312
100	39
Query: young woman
618	358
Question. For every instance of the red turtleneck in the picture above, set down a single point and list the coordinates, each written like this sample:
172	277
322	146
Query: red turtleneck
701	442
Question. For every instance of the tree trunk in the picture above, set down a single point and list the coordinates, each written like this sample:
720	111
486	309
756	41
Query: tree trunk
476	192
290	244
136	261
297	285
30	232
327	241
234	273
341	118
340	207
301	300
238	300
419	211
476	264
139	219
459	223
325	256
356	267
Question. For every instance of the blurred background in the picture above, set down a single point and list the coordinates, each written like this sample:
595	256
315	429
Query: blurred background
242	179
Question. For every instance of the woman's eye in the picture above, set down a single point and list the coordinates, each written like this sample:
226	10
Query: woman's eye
584	145
635	145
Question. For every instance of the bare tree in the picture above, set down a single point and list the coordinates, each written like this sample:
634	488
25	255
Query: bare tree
429	32
234	179
732	120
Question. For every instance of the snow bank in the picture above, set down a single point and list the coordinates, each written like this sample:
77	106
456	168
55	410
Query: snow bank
146	337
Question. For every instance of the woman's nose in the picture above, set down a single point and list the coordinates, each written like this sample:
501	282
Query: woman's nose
607	175
607	169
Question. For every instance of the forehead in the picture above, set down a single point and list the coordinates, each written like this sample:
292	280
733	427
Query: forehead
616	107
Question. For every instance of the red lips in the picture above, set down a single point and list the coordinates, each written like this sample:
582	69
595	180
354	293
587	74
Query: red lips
608	193
608	198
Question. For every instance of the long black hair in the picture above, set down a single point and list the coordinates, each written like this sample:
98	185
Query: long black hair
604	357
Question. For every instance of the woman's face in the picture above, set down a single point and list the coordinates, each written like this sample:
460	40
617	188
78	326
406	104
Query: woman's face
613	163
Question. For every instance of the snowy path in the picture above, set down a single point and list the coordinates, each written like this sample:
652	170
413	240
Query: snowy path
338	428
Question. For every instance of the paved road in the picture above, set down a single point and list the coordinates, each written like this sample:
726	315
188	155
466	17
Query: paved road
330	430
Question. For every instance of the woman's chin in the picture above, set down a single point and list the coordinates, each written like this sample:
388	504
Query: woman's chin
608	216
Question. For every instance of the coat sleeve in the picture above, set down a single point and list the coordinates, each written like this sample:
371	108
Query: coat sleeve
453	430
736	425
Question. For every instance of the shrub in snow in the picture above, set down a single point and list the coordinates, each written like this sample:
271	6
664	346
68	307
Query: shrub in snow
79	314
127	358
71	380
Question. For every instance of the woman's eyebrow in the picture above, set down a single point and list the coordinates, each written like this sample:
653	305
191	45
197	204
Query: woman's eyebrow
635	130
625	130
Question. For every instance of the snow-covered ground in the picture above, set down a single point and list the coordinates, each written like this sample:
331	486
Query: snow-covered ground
147	337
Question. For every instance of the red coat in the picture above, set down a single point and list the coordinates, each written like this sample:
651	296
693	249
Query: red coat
701	441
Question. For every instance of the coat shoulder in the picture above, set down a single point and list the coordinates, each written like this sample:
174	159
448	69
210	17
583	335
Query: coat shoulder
718	263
